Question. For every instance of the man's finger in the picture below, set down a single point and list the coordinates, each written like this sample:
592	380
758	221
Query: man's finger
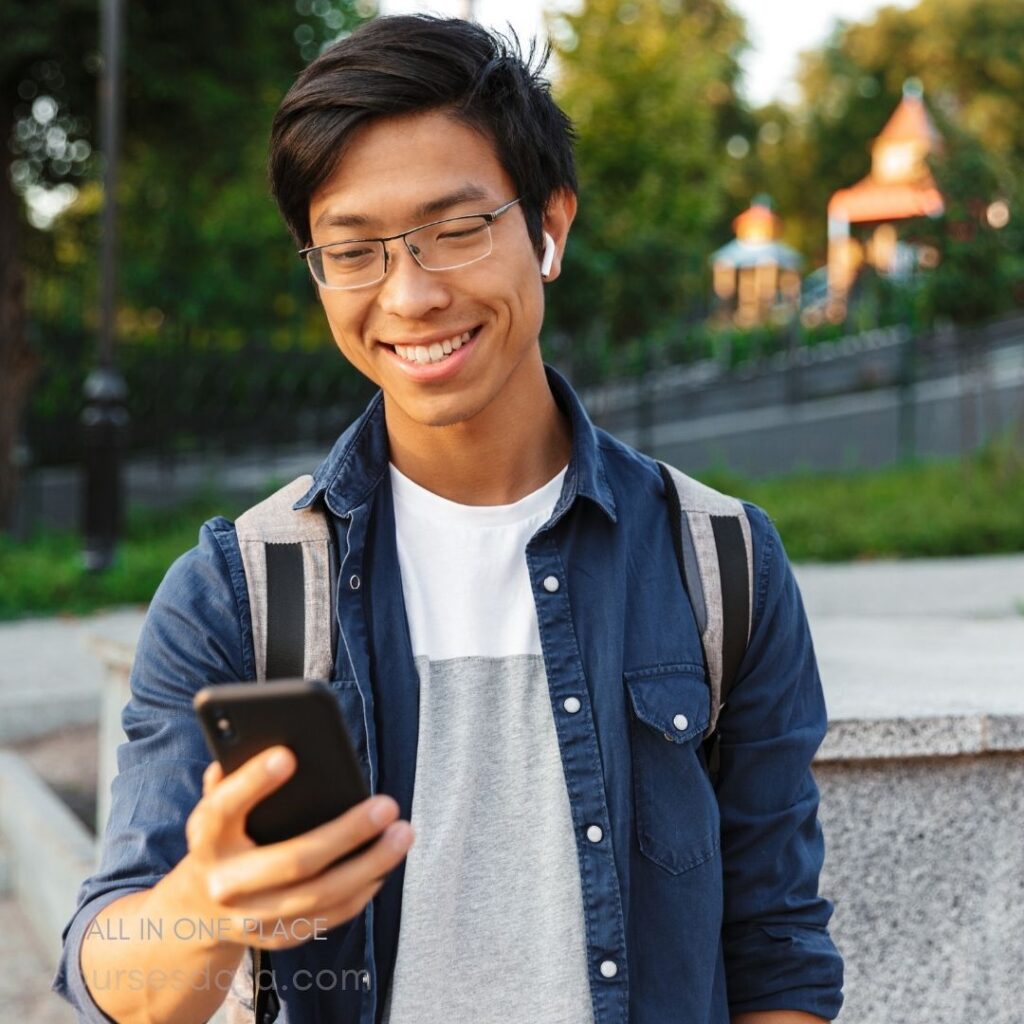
213	774
336	885
295	860
237	793
281	933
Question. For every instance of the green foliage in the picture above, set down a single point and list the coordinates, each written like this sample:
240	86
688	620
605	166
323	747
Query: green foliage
47	53
650	87
978	264
46	574
202	247
200	239
926	510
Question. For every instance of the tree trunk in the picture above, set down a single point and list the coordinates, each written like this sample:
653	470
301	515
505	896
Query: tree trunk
18	363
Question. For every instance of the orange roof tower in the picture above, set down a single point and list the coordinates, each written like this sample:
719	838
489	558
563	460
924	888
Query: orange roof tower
899	187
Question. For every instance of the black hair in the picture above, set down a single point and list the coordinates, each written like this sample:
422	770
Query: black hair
417	63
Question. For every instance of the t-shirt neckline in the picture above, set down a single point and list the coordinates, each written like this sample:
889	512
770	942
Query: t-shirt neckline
412	498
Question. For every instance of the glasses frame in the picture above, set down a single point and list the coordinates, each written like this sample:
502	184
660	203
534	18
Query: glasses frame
490	218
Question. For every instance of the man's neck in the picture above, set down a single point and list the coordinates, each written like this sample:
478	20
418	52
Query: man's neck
514	446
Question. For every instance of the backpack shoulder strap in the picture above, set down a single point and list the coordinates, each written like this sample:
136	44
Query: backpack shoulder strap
711	535
289	572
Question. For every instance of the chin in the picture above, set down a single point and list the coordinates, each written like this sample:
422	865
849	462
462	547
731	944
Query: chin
443	418
441	413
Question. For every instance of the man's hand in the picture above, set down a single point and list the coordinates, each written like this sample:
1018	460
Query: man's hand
180	942
270	896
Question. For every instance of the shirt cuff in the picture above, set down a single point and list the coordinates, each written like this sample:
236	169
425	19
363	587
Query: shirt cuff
69	982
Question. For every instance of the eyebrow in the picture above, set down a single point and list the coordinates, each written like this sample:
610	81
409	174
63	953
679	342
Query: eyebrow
421	213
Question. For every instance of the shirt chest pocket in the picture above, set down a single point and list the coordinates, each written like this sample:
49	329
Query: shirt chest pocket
677	820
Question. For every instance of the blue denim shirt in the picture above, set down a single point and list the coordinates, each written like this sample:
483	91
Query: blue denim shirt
707	906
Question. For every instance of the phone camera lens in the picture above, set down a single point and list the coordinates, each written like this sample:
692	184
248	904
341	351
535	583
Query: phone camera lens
224	727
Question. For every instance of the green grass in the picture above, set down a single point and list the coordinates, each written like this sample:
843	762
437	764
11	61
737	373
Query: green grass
969	507
931	509
46	574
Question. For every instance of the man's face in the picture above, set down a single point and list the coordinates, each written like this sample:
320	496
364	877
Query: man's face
391	170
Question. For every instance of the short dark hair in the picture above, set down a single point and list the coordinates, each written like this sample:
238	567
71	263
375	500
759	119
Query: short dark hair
417	63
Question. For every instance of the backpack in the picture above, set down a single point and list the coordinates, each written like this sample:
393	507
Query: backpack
291	574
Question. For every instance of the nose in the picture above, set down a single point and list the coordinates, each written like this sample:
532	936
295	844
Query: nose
408	290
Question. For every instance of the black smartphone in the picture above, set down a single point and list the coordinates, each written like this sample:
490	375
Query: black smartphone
241	719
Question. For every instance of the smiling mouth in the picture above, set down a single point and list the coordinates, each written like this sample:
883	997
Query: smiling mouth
435	352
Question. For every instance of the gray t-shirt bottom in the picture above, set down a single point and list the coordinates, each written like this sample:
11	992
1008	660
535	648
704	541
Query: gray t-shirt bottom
492	928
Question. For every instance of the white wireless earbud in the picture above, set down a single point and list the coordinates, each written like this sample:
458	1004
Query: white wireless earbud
549	255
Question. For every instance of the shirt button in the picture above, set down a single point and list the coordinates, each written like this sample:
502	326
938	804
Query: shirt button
594	833
571	704
354	582
609	968
680	722
550	584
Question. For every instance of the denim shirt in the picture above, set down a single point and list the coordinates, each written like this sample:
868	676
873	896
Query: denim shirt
697	904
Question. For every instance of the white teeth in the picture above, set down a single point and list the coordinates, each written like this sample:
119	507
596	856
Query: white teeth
435	351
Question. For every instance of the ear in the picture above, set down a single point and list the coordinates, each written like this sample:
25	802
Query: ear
558	218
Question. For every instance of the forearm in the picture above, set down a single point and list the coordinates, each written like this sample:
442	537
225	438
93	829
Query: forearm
144	962
777	1017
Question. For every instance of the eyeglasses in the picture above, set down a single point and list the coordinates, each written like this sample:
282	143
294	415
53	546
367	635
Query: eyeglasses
440	245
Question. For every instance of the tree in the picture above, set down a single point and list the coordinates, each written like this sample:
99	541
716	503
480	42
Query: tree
650	86
978	261
38	69
200	239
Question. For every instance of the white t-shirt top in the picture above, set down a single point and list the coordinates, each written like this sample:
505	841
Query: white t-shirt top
467	589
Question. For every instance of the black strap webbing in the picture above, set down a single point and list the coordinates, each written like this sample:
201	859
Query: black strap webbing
732	570
286	659
735	581
286	612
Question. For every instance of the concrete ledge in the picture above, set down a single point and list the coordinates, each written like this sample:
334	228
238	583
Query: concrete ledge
49	852
26	714
936	736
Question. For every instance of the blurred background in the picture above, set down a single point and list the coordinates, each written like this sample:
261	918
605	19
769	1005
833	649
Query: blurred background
797	272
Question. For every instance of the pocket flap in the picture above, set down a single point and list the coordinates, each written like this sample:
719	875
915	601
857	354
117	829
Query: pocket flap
676	702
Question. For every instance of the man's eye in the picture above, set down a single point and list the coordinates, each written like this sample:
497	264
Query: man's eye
455	234
348	255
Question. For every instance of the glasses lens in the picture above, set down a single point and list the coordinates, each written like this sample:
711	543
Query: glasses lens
451	244
348	264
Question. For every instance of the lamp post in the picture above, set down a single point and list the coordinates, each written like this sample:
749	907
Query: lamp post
105	416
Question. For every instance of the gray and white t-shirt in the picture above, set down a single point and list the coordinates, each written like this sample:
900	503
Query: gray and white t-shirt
492	927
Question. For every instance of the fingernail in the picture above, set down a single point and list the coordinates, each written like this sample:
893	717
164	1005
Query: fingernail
380	810
279	763
400	837
216	886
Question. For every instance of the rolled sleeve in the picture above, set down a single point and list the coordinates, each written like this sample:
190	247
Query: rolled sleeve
195	634
778	952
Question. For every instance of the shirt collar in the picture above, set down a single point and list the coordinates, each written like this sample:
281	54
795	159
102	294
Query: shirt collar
359	459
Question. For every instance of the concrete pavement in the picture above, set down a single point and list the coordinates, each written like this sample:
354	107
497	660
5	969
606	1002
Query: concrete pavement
902	639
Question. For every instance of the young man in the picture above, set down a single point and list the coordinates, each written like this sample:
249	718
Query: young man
517	659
